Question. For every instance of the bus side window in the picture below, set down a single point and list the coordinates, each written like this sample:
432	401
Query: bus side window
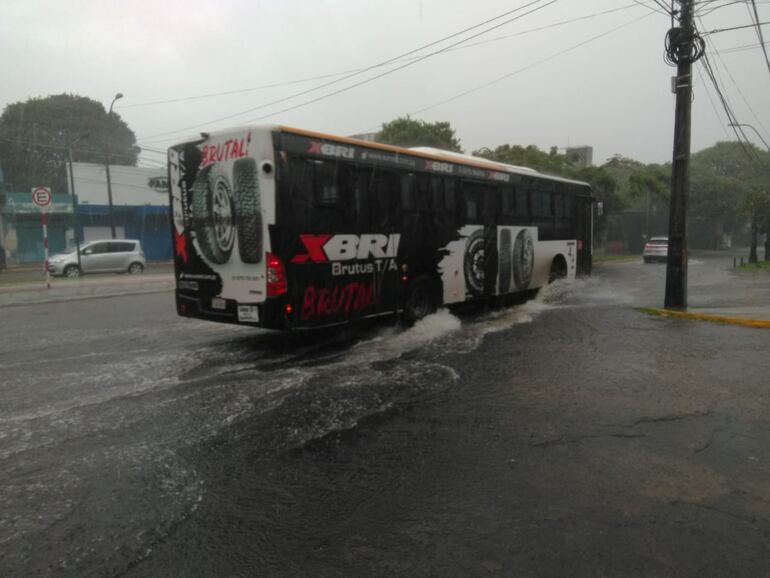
558	206
509	201
437	193
569	207
407	192
422	192
450	201
325	183
522	207
297	180
481	201
546	209
383	205
362	179
471	208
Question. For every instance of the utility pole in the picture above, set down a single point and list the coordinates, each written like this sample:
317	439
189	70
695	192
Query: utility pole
72	195
683	48
107	170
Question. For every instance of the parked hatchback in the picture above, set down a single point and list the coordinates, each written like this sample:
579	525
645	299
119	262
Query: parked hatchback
656	249
114	256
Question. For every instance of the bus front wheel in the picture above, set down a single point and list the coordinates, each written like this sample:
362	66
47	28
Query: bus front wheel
420	299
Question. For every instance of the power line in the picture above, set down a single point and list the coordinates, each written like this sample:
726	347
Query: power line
707	9
733	121
239	90
656	9
759	34
340	73
737	86
529	66
378	65
62	147
741	48
718	30
713	105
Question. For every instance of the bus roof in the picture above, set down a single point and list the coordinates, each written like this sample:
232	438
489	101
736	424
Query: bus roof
435	154
424	152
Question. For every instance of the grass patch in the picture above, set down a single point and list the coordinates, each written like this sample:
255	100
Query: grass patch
760	266
613	258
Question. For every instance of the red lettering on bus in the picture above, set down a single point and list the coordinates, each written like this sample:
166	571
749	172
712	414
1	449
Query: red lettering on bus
314	245
346	298
230	149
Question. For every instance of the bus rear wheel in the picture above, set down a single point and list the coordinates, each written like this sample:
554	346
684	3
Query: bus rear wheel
558	269
420	299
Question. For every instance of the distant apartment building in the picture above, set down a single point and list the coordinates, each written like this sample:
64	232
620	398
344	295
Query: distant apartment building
582	156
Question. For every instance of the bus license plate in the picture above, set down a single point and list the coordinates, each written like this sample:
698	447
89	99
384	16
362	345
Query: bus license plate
218	303
248	313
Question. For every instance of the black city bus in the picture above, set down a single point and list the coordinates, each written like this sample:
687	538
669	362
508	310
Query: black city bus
284	228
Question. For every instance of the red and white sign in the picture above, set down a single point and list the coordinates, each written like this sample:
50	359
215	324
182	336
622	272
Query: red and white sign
42	197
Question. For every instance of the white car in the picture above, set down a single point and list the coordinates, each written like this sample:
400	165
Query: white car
113	256
656	249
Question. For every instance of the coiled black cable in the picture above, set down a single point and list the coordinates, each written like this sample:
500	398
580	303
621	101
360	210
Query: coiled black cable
677	42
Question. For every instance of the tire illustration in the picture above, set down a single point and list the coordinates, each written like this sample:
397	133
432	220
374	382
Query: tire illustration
506	260
420	299
213	215
523	259
473	263
247	210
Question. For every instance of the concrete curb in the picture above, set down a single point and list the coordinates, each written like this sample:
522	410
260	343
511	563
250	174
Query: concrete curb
756	323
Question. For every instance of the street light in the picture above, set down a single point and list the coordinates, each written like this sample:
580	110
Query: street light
72	193
736	124
107	169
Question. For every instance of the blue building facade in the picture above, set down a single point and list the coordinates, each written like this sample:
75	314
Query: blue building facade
140	210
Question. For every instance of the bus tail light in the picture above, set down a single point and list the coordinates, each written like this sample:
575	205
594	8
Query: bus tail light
276	276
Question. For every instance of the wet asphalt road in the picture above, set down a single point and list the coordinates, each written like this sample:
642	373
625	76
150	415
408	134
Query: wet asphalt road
572	435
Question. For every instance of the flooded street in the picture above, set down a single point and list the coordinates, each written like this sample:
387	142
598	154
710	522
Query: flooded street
571	434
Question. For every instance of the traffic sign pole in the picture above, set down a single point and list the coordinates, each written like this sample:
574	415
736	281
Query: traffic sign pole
42	197
44	219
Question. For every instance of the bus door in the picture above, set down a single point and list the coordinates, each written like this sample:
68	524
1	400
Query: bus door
583	230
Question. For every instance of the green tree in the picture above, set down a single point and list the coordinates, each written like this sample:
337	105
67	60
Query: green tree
34	136
407	132
529	156
721	178
756	206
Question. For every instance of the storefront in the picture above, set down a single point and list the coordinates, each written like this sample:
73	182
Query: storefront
22	231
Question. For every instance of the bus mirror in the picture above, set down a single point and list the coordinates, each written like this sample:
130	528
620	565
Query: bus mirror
599	208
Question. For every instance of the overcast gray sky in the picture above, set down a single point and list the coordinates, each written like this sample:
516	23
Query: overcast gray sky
613	92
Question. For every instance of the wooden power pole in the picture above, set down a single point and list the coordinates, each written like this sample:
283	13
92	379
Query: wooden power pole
682	50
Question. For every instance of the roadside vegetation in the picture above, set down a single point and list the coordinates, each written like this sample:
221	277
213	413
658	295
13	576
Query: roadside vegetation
729	198
758	267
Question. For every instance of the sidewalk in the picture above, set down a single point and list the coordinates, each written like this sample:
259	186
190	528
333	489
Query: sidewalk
28	287
746	294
